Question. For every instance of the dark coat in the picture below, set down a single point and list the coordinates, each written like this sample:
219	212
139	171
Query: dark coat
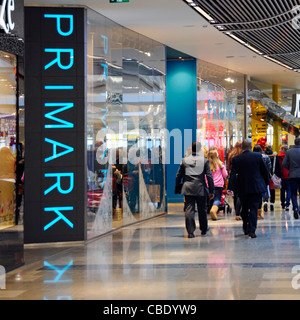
193	170
249	174
291	162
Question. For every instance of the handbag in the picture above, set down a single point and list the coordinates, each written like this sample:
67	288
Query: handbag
275	179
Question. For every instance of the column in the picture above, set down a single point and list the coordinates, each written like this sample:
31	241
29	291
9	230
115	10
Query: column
181	115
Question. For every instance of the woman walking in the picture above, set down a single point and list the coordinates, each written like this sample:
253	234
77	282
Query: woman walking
219	173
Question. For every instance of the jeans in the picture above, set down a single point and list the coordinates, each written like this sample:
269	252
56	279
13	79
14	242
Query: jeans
217	199
285	193
295	185
190	202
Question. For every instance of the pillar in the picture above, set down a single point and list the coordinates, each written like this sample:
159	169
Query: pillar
276	96
181	99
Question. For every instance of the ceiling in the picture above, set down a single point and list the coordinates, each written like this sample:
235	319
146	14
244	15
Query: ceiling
175	24
268	27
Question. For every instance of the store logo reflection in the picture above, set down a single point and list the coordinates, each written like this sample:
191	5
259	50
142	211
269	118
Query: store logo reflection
59	272
59	277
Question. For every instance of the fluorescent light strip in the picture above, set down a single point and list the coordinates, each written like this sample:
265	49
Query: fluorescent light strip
278	62
236	38
250	47
205	15
243	42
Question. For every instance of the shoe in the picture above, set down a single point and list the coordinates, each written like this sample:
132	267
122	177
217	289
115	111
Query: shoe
271	207
191	235
238	218
287	209
213	213
252	235
296	214
245	232
204	233
260	214
265	207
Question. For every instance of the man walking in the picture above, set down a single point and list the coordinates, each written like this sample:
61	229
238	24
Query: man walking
291	162
249	176
193	170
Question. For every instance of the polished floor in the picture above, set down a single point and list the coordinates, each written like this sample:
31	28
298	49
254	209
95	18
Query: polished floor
156	260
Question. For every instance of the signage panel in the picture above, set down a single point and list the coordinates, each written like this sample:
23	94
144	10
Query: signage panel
55	112
296	106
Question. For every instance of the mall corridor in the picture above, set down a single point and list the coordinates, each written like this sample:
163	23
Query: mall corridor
156	260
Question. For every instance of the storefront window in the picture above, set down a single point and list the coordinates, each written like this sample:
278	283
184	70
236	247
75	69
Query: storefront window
220	107
7	138
273	118
125	115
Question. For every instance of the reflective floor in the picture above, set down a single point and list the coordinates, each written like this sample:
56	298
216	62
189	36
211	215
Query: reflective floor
156	260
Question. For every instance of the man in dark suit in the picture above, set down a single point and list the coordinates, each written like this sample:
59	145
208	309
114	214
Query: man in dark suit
193	170
249	176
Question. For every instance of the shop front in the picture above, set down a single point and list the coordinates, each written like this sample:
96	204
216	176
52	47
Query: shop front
94	130
271	115
11	132
220	107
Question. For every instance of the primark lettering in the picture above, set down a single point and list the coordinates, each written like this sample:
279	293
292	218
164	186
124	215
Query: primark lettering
221	110
53	112
6	22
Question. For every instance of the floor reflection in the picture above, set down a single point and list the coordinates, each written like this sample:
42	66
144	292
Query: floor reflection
155	259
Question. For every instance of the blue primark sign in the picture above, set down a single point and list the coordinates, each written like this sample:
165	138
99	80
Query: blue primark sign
55	124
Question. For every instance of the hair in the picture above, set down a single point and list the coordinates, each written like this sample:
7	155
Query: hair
268	150
188	151
297	141
246	145
214	160
237	149
284	147
257	148
196	147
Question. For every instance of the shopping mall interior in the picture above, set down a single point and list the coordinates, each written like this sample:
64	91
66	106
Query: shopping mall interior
100	102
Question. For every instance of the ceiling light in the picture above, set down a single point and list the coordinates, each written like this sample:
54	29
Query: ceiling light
278	62
205	15
236	38
229	80
252	48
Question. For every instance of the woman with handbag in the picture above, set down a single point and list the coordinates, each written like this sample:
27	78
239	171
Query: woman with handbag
274	181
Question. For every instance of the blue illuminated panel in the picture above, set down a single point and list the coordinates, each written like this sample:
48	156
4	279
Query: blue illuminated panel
55	151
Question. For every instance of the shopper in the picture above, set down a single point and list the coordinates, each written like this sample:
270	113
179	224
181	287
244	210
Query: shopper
258	148
236	200
291	162
285	191
193	170
275	168
219	173
252	181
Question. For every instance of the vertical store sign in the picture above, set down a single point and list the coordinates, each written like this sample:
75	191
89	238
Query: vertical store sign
296	106
57	59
